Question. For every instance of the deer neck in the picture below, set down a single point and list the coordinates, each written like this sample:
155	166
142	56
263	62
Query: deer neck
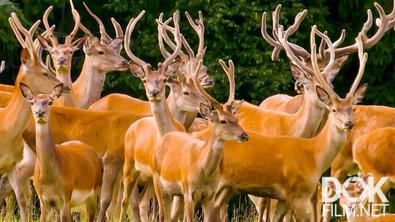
87	88
328	143
184	117
309	115
212	154
16	113
47	158
163	117
65	77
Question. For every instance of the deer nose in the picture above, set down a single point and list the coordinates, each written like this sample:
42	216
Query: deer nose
244	137
349	124
40	113
154	93
62	60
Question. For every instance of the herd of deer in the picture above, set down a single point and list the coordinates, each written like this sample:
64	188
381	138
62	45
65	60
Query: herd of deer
81	149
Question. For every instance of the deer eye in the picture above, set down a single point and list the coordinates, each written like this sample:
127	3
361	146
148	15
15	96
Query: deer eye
101	52
165	80
222	121
50	102
334	110
144	80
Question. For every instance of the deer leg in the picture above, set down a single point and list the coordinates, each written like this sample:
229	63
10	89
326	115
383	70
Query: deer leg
221	200
164	200
19	178
114	208
130	176
210	214
281	210
144	201
43	211
299	209
65	213
313	203
91	206
5	189
112	165
188	206
177	208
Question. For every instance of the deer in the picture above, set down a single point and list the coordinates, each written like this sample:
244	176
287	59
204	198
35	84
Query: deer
15	115
101	56
183	92
291	104
58	179
195	174
138	147
341	53
62	54
296	181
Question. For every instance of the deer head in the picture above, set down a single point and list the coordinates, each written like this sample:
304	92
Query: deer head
222	116
385	22
61	54
341	109
32	71
103	53
154	80
41	103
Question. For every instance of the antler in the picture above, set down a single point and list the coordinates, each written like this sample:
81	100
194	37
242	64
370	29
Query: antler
177	38
363	57
276	29
52	37
230	72
18	29
103	33
161	35
2	66
48	64
199	29
77	20
128	33
213	102
37	46
314	60
385	22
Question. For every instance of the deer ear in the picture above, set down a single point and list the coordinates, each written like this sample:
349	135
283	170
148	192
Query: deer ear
323	95
56	92
25	57
116	43
236	106
26	91
43	42
172	68
78	43
205	110
136	70
359	94
88	44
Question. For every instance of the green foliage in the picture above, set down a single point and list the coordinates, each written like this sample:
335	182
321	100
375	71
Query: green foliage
232	32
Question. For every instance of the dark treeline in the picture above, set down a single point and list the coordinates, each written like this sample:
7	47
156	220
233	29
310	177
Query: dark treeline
232	32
